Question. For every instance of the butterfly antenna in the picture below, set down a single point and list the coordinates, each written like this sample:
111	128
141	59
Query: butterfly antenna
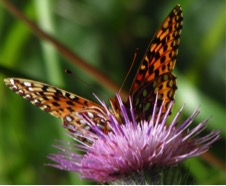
89	85
131	66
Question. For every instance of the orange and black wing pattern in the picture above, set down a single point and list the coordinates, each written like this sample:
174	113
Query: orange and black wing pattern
155	72
59	103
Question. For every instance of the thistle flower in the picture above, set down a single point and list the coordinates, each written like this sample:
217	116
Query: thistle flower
134	152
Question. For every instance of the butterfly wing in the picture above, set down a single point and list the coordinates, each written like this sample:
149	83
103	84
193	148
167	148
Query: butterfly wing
155	72
154	75
59	103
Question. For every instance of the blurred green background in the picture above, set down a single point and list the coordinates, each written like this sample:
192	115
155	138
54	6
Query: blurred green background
105	34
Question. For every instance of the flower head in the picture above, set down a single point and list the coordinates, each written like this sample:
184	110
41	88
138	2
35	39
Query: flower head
134	146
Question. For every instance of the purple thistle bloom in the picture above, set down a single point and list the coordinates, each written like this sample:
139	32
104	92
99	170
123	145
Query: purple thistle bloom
132	147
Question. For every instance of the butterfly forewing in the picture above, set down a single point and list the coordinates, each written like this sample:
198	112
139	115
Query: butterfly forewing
57	102
154	74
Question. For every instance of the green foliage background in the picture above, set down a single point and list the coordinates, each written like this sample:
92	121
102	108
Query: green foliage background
105	34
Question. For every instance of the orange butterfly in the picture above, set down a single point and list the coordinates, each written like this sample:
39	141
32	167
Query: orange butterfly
154	75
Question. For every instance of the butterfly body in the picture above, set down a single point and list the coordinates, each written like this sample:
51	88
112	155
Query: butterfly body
153	76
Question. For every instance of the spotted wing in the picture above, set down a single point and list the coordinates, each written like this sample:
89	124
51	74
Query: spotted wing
59	103
155	72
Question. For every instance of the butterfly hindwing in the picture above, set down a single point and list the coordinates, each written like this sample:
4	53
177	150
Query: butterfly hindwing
153	76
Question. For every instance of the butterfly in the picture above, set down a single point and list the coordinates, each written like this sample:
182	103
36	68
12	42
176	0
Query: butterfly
154	76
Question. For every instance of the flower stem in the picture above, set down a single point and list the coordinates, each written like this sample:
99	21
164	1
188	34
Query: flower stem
176	175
